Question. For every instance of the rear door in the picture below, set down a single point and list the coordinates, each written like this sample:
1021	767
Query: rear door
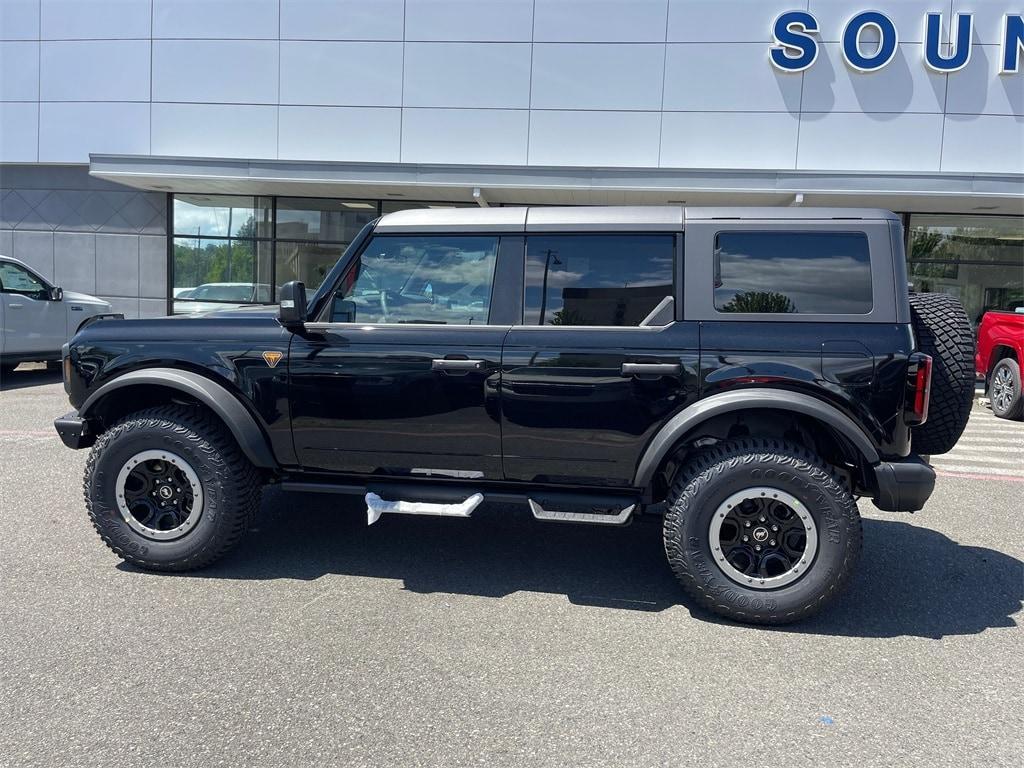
400	377
601	359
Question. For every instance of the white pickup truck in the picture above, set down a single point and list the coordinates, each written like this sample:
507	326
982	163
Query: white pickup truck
37	318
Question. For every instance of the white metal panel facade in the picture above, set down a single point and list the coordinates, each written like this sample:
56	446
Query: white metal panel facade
612	83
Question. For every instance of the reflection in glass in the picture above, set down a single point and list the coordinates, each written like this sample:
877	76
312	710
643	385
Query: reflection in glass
300	218
390	206
792	272
444	280
210	271
978	259
308	262
222	216
610	280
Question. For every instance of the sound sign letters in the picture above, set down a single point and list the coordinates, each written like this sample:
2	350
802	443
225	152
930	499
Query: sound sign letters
796	45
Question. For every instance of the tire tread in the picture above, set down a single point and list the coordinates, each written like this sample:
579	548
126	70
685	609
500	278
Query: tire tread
209	436
724	458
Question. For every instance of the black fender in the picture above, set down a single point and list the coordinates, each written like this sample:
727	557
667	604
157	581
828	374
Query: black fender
95	318
216	397
745	400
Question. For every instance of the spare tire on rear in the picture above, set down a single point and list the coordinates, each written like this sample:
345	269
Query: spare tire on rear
943	331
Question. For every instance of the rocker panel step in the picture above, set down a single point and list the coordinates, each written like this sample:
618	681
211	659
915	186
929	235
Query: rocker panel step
376	506
621	518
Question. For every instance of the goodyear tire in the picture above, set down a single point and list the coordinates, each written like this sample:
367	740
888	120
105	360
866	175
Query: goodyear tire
1004	389
943	332
761	531
167	489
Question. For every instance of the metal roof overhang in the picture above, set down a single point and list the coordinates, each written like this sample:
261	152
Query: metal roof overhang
936	192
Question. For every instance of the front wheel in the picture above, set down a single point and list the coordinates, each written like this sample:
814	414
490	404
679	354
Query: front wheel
761	531
168	489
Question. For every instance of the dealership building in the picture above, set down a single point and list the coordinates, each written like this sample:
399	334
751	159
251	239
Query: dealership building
149	148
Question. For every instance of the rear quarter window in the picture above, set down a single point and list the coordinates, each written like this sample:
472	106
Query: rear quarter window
825	273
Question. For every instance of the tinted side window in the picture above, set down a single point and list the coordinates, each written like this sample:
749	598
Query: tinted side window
596	279
15	279
793	272
419	279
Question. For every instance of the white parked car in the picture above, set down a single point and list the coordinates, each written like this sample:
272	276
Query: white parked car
210	296
36	318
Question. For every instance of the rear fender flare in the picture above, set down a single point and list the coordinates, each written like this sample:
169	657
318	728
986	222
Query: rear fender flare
217	398
743	400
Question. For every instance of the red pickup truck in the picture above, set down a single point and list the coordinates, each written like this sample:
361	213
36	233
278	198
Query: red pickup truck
999	355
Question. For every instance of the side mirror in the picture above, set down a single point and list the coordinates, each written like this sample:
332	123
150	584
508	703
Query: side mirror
56	294
292	312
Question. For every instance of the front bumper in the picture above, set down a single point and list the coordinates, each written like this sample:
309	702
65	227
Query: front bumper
903	486
74	430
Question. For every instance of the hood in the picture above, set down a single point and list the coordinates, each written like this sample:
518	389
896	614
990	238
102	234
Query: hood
260	310
84	298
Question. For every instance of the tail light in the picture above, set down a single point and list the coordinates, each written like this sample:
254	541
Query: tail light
919	388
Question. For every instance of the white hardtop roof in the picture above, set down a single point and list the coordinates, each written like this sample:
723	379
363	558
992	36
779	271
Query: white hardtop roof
651	218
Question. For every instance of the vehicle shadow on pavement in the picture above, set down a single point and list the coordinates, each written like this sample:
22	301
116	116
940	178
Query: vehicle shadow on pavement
911	580
31	377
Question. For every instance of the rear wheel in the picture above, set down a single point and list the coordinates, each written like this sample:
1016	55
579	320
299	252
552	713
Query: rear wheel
167	489
944	333
761	531
1005	390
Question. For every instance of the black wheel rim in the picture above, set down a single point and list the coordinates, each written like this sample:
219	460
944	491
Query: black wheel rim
763	538
159	495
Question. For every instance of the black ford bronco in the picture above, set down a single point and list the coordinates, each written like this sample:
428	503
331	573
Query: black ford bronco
746	374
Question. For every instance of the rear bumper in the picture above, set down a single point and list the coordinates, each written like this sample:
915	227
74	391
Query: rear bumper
74	431
903	486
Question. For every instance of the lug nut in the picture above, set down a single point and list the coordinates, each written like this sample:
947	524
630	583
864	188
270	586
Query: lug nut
772	542
775	527
746	524
746	538
757	547
761	518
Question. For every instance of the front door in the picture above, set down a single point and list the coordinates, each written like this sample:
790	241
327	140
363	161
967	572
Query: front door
600	362
32	323
400	376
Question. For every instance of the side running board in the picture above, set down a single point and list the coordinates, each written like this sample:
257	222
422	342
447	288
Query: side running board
600	518
376	506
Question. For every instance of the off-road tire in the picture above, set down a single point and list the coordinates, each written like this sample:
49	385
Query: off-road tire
1016	405
710	479
230	484
944	333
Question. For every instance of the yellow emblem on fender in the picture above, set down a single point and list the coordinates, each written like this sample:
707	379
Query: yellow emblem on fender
272	358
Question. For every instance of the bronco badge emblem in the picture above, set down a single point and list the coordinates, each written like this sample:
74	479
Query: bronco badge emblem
272	358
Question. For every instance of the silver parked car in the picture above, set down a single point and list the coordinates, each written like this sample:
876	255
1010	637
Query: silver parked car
37	318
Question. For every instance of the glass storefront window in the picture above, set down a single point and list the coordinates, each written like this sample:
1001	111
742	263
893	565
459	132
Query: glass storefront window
978	259
308	262
315	219
222	216
390	206
212	271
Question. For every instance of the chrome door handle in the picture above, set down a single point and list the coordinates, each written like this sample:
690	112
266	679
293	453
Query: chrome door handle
458	366
15	306
651	369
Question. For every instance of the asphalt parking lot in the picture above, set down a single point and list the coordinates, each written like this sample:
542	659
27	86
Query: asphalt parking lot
497	640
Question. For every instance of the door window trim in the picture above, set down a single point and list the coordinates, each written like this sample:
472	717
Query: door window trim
321	323
677	280
47	285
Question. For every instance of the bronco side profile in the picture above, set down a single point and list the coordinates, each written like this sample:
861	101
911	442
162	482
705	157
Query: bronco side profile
746	374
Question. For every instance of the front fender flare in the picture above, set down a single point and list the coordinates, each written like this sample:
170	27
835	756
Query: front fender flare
217	398
743	400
